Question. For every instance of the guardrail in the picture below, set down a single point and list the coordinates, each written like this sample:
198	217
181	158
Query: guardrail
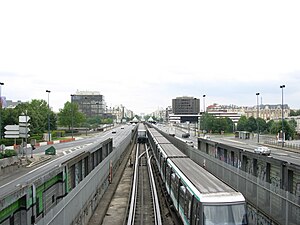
285	144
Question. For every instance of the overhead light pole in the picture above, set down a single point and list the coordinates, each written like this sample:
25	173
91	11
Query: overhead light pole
204	103
49	136
72	114
283	138
1	83
257	94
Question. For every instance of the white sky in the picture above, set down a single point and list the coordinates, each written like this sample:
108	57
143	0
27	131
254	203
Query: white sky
144	53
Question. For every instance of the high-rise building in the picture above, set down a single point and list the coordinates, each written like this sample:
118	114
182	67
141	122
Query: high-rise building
186	105
90	103
185	109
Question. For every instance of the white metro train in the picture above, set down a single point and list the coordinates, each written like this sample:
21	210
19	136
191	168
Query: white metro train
198	197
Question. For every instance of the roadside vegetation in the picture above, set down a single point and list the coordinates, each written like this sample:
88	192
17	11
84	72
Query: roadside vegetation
68	117
212	124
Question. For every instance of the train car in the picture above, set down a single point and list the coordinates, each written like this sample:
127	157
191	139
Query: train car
142	134
200	198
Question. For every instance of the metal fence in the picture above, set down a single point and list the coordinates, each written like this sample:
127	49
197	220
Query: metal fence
286	144
78	205
278	205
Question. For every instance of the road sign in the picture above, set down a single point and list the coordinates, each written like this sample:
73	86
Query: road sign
23	126
12	131
11	127
23	130
24	135
24	119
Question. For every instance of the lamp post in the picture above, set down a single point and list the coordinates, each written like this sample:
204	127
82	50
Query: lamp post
49	138
282	140
204	103
257	94
72	114
0	110
204	123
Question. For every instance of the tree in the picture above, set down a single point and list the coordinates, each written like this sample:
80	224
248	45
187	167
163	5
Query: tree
207	122
242	124
252	124
288	128
38	111
295	112
262	124
69	114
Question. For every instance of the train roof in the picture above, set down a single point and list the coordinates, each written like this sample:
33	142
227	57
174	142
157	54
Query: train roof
170	151
158	136
206	186
141	126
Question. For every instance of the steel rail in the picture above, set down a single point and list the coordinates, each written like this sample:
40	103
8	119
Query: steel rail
156	207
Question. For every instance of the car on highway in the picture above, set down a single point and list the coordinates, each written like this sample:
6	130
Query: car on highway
114	131
190	143
185	135
207	137
262	150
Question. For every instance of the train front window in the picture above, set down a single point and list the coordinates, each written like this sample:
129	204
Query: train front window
224	214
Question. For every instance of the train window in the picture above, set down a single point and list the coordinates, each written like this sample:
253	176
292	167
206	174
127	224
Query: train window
224	214
182	191
188	204
173	182
167	177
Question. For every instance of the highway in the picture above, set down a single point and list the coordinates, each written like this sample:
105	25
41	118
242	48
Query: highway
249	145
65	151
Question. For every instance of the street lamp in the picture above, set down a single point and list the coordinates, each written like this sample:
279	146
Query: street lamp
257	94
48	116
0	110
282	140
72	113
204	103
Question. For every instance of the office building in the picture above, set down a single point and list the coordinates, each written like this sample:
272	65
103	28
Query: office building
90	103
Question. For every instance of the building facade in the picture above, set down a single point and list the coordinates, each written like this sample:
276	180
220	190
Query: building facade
186	106
90	103
268	112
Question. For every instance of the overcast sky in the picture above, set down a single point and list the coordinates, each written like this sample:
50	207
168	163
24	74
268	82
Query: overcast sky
144	53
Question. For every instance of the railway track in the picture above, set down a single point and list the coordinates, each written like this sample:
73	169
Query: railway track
144	203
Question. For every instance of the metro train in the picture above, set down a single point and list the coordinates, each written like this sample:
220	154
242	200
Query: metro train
198	197
142	135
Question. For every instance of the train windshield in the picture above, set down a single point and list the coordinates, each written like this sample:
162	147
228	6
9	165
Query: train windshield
224	214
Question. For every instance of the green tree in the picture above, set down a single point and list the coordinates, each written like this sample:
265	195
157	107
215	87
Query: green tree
252	124
288	128
69	114
38	112
262	124
242	124
270	124
295	112
207	122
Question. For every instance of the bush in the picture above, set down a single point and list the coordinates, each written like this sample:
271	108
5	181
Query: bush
10	141
7	154
37	137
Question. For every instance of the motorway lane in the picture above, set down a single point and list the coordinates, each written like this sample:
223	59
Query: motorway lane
17	179
250	145
247	145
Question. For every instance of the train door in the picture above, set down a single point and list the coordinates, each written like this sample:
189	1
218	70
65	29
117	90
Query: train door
195	212
188	204
167	179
